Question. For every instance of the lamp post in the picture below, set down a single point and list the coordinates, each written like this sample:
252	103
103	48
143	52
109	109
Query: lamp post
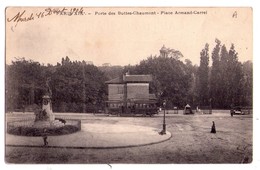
210	106
164	124
95	109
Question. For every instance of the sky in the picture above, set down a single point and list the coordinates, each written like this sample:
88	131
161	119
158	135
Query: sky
124	39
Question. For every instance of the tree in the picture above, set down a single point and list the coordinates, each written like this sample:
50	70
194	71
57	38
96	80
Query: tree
215	77
24	81
78	84
172	79
247	83
226	77
74	85
235	77
224	81
203	77
111	72
80	87
231	78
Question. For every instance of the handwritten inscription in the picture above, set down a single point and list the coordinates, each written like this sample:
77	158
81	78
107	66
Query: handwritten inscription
20	17
24	16
64	11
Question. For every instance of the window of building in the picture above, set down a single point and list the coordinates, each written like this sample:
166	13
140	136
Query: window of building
120	90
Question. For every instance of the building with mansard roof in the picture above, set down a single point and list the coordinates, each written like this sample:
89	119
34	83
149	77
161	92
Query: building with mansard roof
130	91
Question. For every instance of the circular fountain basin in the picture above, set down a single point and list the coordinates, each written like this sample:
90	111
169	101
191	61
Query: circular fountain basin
40	128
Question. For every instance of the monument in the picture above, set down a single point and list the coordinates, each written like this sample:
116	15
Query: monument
45	117
44	121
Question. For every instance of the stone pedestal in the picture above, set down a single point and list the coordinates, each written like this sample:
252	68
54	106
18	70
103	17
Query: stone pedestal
45	118
46	106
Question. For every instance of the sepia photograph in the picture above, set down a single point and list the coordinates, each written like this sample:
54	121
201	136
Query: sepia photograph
128	85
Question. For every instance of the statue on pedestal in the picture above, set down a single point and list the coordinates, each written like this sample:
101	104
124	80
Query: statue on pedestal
45	114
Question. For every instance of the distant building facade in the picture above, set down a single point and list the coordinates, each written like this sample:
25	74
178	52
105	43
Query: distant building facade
106	65
89	62
129	92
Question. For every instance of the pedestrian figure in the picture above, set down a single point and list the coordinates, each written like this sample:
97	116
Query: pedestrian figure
213	128
45	137
232	109
232	112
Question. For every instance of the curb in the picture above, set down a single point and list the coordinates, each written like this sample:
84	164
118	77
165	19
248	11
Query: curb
94	147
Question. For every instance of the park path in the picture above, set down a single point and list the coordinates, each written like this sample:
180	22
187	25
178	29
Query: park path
96	135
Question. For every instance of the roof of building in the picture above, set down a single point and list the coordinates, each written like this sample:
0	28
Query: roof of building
130	78
118	80
137	78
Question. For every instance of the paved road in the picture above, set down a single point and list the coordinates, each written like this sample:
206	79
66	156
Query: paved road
191	141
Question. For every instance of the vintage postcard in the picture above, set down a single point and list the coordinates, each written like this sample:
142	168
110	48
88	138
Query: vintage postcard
114	85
